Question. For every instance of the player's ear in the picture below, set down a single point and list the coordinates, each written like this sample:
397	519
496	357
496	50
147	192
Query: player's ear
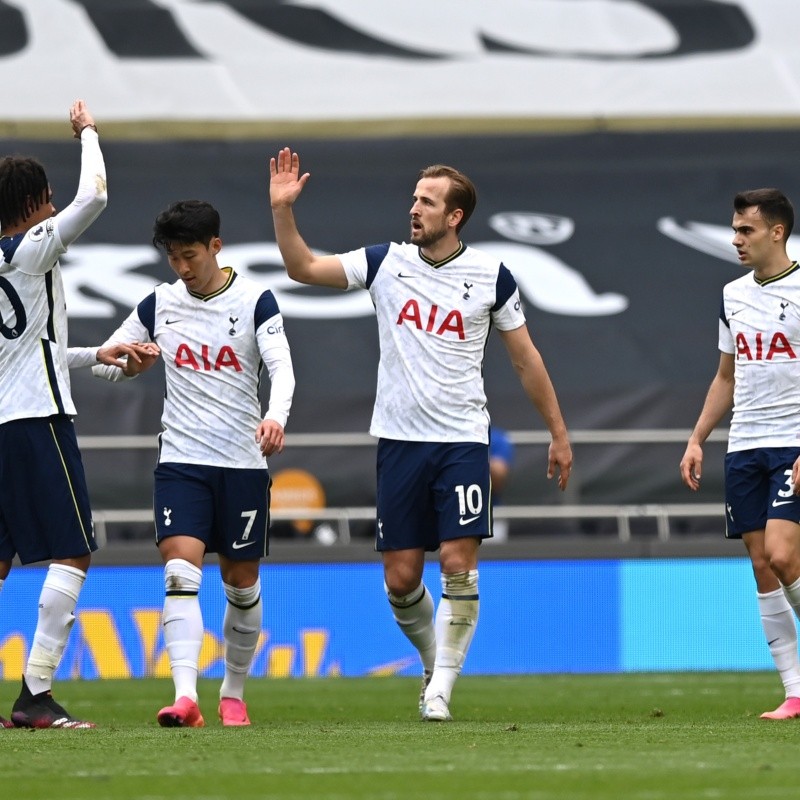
456	215
215	245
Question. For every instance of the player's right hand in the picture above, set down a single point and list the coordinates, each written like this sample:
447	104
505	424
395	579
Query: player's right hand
285	181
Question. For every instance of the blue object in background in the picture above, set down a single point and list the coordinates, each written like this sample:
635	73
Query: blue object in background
333	619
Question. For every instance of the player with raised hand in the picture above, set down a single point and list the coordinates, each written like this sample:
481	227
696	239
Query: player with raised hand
44	502
436	301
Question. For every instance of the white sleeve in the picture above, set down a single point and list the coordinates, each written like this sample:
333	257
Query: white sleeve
43	244
726	343
510	315
79	357
354	264
274	348
92	194
131	330
108	372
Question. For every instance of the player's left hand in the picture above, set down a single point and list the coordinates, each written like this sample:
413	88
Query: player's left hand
559	455
130	358
79	117
270	437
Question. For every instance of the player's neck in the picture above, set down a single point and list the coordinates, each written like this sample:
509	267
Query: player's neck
772	268
441	250
23	226
217	281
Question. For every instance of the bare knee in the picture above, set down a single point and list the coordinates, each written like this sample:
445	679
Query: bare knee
402	571
784	563
459	555
239	574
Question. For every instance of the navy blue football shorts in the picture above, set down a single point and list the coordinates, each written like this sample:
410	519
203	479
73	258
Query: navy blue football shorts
227	509
430	492
44	502
758	487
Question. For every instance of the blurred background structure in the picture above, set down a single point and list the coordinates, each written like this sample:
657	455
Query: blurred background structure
606	139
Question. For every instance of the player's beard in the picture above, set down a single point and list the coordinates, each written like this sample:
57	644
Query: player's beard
427	238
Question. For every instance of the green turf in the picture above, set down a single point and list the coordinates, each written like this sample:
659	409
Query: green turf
638	737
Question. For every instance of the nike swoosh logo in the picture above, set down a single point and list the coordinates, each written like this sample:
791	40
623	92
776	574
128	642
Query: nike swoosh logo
467	520
776	503
240	545
400	275
734	313
171	321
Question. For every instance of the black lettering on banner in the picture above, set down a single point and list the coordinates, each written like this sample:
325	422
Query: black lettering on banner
139	29
145	29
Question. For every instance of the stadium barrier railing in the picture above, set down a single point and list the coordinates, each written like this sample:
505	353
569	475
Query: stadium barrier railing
342	517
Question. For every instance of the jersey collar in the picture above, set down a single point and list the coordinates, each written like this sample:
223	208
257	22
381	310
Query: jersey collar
793	267
436	264
223	288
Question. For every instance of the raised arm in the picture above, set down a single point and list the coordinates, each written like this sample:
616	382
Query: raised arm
92	194
535	380
719	401
285	186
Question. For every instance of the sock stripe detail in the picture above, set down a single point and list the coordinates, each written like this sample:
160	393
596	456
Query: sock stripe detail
459	596
408	605
246	607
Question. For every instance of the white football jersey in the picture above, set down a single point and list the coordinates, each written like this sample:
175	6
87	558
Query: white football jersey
760	326
213	348
433	323
33	314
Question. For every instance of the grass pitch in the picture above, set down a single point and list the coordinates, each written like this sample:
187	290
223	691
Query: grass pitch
639	737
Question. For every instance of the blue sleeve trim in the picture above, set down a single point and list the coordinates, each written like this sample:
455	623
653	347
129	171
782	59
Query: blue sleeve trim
147	314
266	308
375	255
722	315
506	286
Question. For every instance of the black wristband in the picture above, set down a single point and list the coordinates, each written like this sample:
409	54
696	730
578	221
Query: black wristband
90	125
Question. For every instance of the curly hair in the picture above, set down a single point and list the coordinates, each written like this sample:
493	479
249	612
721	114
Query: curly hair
23	188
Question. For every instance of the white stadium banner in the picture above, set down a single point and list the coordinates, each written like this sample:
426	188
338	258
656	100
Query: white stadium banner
339	60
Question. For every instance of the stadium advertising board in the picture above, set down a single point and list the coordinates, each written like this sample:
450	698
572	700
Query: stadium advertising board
332	620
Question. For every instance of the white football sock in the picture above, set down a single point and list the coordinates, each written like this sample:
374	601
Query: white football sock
456	619
57	601
414	615
780	630
241	629
182	622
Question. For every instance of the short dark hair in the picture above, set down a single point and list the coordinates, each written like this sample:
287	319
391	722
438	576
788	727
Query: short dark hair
23	188
773	205
462	193
186	222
